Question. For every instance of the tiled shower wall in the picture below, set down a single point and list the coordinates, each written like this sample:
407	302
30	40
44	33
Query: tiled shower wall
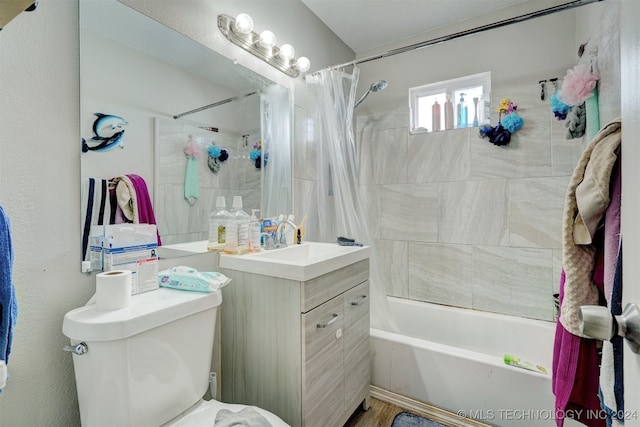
462	222
180	222
457	220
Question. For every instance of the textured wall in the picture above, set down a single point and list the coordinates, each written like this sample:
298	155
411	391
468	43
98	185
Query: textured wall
39	189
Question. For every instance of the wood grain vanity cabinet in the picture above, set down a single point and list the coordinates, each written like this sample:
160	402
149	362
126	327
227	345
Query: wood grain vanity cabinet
299	349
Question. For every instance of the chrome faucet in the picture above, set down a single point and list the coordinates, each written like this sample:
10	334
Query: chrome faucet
281	242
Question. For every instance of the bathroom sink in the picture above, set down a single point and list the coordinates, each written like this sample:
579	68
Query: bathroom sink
297	262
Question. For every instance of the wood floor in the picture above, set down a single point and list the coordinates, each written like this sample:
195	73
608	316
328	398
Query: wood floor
380	414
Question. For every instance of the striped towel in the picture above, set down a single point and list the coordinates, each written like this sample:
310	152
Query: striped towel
96	208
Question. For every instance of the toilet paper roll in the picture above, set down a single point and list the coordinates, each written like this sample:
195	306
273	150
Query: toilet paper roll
113	290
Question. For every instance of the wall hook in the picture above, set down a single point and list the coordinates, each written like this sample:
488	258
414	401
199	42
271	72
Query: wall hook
554	82
542	85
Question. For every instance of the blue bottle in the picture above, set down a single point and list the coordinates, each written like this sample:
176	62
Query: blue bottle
462	111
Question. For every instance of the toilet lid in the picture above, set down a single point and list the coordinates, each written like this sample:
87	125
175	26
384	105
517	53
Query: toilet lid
204	414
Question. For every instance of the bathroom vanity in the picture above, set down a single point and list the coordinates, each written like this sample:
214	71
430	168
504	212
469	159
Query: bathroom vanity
297	345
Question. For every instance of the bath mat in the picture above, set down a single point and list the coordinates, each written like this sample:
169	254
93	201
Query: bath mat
405	419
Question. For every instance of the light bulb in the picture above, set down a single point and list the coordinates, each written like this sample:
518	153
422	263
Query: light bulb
287	52
267	39
243	24
303	64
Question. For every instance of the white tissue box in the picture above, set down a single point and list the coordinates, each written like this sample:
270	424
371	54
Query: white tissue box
133	247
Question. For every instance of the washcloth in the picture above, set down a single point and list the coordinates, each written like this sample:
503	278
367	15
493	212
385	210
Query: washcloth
575	371
586	199
246	417
96	208
8	302
133	199
191	187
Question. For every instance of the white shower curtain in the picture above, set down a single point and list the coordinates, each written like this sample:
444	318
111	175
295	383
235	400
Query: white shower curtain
340	210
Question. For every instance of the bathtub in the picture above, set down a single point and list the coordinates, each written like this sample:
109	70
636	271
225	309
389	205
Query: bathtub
452	358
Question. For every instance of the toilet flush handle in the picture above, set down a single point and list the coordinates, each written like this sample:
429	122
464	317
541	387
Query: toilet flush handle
79	349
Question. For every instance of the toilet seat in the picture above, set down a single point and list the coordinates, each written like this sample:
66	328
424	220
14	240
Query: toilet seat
204	414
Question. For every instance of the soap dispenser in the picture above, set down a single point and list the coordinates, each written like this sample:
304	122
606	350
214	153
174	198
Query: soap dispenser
462	111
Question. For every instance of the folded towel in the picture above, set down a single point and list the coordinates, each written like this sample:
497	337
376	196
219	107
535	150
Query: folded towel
8	302
246	417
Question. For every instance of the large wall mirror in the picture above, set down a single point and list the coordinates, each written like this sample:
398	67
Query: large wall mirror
142	74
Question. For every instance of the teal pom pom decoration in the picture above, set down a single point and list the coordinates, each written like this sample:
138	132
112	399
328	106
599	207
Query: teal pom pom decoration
559	108
512	122
214	151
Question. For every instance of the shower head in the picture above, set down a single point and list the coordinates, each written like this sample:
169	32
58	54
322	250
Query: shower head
375	87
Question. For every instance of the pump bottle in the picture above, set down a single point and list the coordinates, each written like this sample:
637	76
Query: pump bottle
255	232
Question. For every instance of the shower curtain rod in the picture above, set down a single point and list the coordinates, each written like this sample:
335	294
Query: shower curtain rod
442	39
215	104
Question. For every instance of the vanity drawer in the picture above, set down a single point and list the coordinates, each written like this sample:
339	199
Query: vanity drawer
317	291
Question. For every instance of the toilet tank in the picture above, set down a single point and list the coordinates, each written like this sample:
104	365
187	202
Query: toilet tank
146	363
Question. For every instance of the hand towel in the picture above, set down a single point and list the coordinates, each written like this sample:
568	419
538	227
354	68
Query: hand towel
580	220
8	302
144	205
96	208
191	185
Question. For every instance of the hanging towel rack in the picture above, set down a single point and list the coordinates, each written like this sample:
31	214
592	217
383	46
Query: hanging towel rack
215	104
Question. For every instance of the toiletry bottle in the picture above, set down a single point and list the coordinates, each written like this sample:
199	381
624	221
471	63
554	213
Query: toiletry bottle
255	231
217	224
475	112
448	113
462	111
435	116
237	237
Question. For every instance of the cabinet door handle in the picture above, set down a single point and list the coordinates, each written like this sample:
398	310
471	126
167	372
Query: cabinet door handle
334	317
359	301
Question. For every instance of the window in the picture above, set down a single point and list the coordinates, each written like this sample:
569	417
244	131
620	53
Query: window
451	104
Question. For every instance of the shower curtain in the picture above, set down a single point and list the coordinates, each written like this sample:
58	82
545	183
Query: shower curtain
340	209
276	151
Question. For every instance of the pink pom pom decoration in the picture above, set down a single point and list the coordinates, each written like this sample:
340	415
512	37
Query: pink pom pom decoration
192	149
578	84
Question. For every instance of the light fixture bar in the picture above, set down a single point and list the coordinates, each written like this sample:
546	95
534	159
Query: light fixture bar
251	43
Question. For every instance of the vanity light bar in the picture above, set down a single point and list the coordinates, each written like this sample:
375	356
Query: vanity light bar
250	41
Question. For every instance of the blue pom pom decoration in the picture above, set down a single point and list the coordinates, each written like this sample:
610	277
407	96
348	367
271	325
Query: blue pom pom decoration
254	154
512	122
559	108
214	151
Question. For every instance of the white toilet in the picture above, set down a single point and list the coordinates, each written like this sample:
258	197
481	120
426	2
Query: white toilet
148	364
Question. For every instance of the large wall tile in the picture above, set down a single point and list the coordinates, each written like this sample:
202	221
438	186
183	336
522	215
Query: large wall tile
383	156
439	156
535	212
527	155
565	153
409	212
473	212
391	258
440	274
514	281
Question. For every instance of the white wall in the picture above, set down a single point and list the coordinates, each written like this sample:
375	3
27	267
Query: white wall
40	187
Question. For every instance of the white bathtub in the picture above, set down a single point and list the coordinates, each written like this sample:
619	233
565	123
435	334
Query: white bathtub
453	358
